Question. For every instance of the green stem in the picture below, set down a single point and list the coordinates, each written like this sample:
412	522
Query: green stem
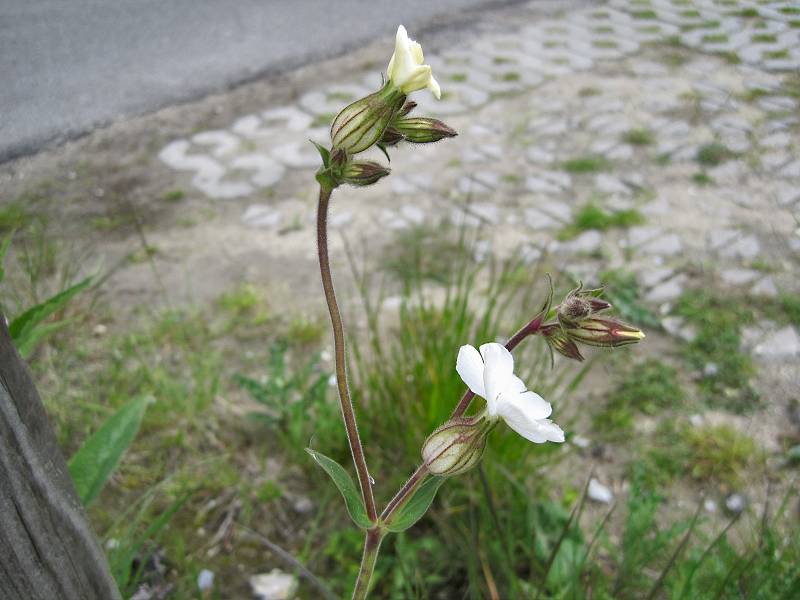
372	545
346	404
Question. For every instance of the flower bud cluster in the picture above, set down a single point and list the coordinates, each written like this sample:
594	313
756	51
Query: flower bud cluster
577	321
381	120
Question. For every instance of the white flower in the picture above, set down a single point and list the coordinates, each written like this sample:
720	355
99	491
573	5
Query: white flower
405	68
490	375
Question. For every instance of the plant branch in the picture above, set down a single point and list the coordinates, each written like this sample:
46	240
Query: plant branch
410	486
348	414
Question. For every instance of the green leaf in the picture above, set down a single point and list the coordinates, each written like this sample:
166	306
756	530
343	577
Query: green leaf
324	153
98	457
416	507
343	481
23	329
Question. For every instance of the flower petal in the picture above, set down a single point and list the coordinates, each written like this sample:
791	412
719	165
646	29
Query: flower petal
433	86
498	372
529	404
469	366
519	412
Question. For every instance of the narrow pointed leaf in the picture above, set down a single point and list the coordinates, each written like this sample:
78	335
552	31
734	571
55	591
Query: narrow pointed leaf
419	504
343	481
324	153
98	457
23	328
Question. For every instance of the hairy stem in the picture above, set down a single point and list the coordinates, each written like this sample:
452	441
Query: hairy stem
372	545
348	414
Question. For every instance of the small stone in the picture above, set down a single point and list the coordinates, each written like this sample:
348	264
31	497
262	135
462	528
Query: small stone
710	369
696	420
205	580
599	493
783	344
735	503
581	442
536	219
275	585
100	329
710	505
303	505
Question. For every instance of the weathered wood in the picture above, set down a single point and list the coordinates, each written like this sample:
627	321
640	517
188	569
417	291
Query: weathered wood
47	548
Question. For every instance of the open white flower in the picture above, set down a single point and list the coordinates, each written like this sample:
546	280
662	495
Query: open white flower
490	375
405	68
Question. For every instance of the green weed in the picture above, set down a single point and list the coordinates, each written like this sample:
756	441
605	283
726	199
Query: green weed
726	383
592	216
587	164
639	137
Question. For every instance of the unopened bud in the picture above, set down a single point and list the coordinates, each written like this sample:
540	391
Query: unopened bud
560	342
407	108
599	331
580	304
361	124
422	130
363	172
391	137
456	446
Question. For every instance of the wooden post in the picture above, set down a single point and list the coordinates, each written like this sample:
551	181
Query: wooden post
47	548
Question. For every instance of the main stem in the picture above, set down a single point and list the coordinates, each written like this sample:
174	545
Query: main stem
372	545
348	414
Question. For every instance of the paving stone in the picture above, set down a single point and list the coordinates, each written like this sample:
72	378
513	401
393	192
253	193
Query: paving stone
780	139
587	242
261	216
746	247
738	276
608	184
537	219
668	290
766	288
782	344
679	328
668	245
651	277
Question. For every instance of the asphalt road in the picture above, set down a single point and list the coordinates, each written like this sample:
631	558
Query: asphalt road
67	66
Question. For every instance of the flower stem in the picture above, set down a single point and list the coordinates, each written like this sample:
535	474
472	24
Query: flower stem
348	414
371	546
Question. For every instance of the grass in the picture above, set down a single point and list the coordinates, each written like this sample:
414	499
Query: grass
717	454
175	195
702	178
201	466
592	163
639	137
13	216
716	352
713	154
622	290
591	216
648	387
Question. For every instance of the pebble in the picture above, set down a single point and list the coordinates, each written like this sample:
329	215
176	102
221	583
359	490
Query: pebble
710	505
205	580
735	503
275	585
599	492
